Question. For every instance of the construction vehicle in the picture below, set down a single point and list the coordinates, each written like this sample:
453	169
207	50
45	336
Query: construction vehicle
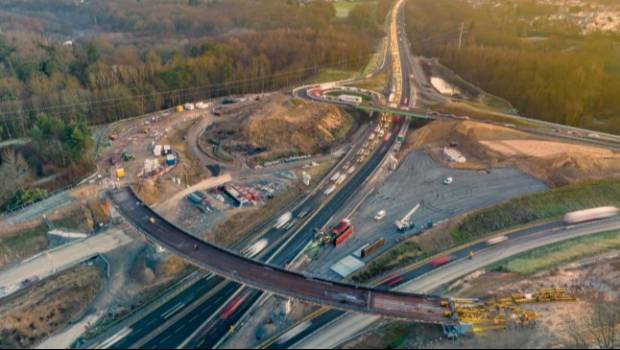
120	173
342	231
126	156
475	316
405	223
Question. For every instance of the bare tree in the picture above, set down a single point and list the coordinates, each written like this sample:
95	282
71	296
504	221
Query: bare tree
599	329
14	172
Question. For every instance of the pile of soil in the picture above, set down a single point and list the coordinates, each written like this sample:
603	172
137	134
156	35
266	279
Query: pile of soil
278	126
556	162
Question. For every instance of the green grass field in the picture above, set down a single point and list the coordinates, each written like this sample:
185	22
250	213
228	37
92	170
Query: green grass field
329	74
545	205
560	253
403	254
24	244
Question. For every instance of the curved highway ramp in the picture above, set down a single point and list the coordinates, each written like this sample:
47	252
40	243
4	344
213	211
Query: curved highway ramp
422	308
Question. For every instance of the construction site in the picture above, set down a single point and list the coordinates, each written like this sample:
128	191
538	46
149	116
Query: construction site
424	213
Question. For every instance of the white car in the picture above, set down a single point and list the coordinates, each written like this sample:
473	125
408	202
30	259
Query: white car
380	215
448	180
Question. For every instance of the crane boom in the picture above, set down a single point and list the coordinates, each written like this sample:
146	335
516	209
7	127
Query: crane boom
405	222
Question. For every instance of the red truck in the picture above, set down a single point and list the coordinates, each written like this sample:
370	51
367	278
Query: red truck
441	261
343	237
341	227
342	231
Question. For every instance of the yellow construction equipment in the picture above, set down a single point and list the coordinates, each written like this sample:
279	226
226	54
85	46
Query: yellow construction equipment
477	316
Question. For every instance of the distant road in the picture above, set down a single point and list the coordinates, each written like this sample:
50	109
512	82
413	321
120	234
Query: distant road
348	326
58	259
36	210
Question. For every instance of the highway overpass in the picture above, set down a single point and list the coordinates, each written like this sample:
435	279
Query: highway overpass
417	307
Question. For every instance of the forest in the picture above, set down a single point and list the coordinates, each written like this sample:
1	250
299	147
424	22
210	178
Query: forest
101	61
68	65
547	70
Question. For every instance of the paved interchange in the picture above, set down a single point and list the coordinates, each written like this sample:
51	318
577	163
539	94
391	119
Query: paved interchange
209	332
337	295
284	247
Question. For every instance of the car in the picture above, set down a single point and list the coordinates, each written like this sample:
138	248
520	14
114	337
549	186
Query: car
380	215
448	180
152	220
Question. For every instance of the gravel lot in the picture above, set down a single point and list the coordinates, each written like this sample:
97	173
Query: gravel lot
420	180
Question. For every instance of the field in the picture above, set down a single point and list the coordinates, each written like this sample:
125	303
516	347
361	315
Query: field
22	243
343	8
38	312
330	74
557	254
551	204
401	255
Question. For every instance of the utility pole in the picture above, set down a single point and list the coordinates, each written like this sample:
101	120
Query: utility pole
461	35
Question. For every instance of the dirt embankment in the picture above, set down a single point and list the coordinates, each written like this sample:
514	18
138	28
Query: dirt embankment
556	162
33	315
277	126
578	324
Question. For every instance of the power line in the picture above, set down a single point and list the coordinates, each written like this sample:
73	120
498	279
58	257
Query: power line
188	91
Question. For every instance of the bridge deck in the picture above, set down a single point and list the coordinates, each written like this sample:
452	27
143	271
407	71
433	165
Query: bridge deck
423	308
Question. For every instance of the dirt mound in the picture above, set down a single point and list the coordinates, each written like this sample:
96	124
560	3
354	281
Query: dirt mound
278	126
556	162
285	124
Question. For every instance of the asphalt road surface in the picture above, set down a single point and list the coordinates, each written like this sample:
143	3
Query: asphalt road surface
58	259
249	272
344	327
419	179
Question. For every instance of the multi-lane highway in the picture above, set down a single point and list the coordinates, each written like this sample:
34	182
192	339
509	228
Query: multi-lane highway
145	332
344	328
274	279
193	331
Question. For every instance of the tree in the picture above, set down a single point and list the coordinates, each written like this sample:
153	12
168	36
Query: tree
599	329
14	172
62	144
